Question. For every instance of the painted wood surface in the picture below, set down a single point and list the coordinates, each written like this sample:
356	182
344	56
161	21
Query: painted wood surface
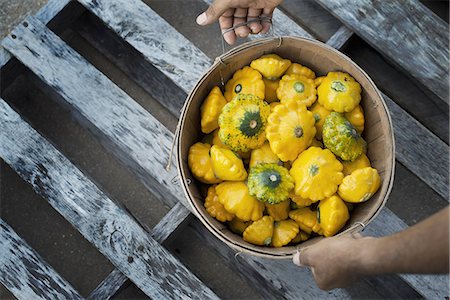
340	38
101	221
420	150
132	63
165	227
122	125
45	14
406	32
25	274
145	30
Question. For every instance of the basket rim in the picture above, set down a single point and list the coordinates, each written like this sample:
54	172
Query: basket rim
355	227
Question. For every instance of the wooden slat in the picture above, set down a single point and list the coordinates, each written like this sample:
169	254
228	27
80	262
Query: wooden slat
340	38
99	219
25	274
420	150
262	273
407	32
145	30
139	139
45	14
168	224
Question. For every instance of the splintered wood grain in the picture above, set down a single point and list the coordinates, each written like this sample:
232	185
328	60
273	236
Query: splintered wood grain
25	274
139	139
108	227
145	30
406	32
165	227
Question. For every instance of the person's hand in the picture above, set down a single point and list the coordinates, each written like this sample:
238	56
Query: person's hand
336	261
232	12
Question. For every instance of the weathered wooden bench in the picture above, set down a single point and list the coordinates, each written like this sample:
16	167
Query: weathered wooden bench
165	64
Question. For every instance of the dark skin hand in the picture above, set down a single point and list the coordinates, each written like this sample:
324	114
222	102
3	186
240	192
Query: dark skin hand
232	12
339	261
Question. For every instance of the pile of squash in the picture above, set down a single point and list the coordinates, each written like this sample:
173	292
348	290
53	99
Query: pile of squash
283	154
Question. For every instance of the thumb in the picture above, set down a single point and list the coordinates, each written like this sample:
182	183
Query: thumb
302	258
213	12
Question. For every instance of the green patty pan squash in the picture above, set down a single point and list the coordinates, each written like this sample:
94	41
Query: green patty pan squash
360	185
339	92
290	130
200	163
271	66
245	81
211	109
297	87
214	208
317	174
270	183
227	165
260	232
243	123
284	232
236	199
342	138
332	214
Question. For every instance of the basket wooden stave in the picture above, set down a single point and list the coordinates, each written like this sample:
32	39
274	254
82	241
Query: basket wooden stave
322	59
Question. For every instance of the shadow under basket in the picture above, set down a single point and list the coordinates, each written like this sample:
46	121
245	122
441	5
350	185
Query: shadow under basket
321	59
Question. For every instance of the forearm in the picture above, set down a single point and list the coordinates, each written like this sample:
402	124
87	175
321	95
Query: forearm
423	248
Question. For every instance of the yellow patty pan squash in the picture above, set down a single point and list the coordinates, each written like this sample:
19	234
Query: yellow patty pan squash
270	183
238	226
297	87
299	201
298	69
236	199
332	214
243	123
318	81
271	66
306	220
279	211
290	130
339	92
273	105
214	208
320	113
317	174
200	163
284	232
260	232
216	141
263	155
342	138
245	81
211	109
356	117
301	237
361	162
360	185
227	165
271	89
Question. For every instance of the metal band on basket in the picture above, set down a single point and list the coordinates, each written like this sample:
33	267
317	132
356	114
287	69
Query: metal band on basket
360	223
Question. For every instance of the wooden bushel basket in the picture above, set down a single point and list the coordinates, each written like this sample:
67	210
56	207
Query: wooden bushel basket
322	59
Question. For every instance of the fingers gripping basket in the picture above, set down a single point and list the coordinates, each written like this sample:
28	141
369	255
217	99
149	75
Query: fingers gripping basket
322	59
